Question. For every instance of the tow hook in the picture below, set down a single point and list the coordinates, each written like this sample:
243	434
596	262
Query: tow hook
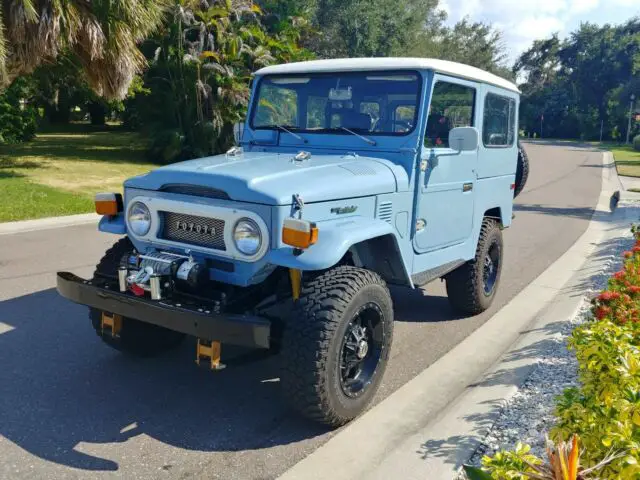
210	350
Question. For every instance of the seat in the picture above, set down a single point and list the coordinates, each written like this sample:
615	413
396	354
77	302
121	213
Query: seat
356	120
438	128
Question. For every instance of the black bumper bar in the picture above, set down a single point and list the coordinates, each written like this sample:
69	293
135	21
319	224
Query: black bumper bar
242	330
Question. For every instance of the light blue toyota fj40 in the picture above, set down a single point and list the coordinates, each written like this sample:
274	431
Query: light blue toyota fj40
348	175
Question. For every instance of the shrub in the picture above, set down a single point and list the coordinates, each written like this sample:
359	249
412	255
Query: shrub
604	411
636	143
17	121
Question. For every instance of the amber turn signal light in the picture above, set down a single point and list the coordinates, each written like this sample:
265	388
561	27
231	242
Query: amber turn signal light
108	204
299	233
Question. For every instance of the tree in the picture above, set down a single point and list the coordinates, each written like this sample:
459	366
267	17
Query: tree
197	85
474	43
101	35
581	85
361	28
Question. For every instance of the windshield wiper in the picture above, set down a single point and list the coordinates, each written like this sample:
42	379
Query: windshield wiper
295	135
362	137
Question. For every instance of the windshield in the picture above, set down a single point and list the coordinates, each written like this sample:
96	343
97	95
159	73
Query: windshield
369	103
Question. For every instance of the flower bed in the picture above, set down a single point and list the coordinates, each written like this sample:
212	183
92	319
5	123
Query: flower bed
600	417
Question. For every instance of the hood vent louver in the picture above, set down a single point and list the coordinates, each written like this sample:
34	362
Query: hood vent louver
358	169
195	191
385	211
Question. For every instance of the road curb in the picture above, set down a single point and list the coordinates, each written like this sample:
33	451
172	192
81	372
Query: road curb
10	228
428	427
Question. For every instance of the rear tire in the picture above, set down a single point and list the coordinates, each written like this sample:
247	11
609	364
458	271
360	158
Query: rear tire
472	286
522	170
336	347
136	337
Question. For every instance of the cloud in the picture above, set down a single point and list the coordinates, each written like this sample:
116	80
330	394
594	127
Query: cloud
523	21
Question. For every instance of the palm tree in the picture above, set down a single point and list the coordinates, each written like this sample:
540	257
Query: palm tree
102	35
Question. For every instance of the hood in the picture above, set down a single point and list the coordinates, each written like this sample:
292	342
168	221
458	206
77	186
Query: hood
273	178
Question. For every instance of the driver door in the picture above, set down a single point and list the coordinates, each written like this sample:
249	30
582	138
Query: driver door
445	203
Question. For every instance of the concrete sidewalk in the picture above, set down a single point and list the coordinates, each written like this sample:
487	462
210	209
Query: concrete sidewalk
630	182
9	228
434	423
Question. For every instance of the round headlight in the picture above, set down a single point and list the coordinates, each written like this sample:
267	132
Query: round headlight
139	219
247	236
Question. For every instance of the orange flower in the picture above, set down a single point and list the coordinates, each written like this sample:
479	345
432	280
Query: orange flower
574	459
628	254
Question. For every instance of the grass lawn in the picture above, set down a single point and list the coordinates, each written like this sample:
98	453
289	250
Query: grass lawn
58	173
627	160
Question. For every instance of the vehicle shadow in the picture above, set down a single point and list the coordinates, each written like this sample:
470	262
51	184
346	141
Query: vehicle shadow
61	386
417	306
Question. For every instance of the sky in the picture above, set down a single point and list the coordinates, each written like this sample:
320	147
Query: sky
523	21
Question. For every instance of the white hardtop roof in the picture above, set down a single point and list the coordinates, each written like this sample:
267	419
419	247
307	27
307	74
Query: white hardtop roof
362	64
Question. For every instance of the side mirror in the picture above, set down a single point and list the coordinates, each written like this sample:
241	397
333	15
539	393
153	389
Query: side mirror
238	132
464	139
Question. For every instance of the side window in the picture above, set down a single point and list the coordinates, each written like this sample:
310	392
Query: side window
278	106
452	106
499	123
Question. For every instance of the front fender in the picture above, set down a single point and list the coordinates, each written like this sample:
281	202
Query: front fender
335	238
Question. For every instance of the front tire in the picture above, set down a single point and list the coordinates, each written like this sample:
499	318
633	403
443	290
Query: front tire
336	347
136	337
472	287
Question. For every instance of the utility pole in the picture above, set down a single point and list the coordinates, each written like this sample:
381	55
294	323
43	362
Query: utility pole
541	121
601	128
633	97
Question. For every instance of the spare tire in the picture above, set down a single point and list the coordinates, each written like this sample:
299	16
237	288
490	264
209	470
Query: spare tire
522	170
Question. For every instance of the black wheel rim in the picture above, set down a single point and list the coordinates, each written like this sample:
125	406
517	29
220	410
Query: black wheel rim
491	269
361	350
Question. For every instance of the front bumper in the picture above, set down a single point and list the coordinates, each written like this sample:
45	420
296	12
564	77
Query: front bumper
244	330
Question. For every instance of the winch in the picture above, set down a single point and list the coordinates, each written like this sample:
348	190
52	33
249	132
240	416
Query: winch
158	273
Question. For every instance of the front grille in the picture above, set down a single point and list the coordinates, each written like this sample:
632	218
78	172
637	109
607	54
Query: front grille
200	231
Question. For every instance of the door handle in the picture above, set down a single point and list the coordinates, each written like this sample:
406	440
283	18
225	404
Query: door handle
467	187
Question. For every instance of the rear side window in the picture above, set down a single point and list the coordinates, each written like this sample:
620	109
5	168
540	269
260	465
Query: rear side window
499	125
452	106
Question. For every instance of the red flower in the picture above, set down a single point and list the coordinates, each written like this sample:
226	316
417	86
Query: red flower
619	275
608	296
634	289
602	312
628	254
636	249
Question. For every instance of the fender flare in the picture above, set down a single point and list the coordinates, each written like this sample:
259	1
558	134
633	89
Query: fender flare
335	239
114	225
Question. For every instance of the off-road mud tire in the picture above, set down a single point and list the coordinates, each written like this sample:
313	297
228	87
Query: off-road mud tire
136	338
522	170
313	342
465	285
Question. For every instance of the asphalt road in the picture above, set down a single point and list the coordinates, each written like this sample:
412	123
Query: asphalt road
72	408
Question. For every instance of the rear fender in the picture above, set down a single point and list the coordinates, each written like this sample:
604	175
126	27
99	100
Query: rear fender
372	244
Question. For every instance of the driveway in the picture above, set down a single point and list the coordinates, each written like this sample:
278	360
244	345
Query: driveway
72	408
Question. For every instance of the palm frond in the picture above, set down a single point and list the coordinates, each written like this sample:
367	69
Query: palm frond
103	34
